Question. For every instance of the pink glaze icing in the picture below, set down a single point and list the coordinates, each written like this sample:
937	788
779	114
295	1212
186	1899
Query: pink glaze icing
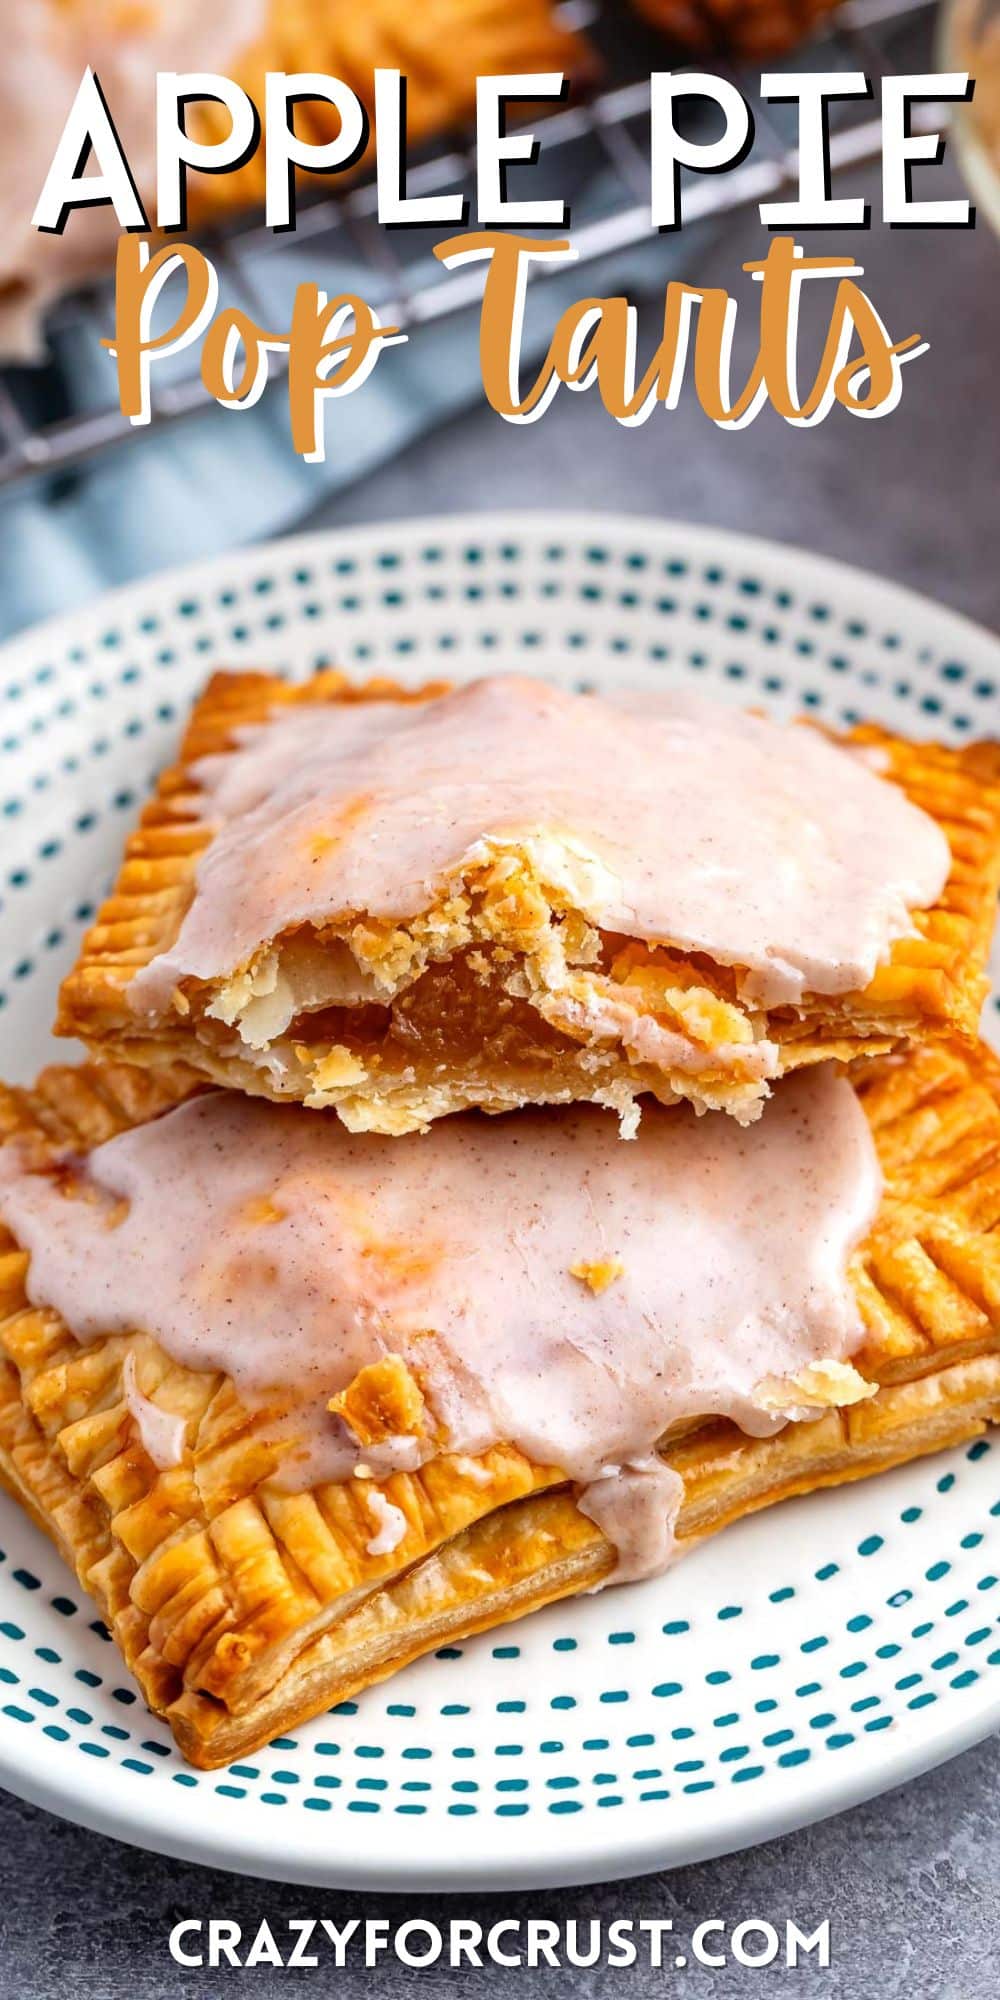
267	1242
660	815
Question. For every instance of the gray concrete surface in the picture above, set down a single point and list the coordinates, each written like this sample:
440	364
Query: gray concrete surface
909	1882
915	495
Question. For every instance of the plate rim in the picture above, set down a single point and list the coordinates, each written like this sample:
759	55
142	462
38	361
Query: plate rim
700	536
517	1857
523	1864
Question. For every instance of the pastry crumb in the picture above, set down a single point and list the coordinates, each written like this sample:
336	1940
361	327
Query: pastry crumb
597	1272
335	1070
821	1385
382	1403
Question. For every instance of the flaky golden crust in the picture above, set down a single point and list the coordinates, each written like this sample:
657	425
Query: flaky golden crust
242	1609
477	1015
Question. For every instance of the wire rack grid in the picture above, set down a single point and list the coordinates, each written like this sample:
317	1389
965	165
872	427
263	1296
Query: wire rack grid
42	434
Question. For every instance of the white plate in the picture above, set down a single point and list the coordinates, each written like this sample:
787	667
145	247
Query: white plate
808	1658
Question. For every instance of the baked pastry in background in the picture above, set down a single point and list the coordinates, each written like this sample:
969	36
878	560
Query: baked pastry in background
751	28
245	1598
400	905
441	46
47	44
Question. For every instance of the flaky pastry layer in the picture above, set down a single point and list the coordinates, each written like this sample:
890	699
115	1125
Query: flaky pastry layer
242	1608
502	993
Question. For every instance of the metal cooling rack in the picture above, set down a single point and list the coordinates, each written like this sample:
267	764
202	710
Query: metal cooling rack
42	435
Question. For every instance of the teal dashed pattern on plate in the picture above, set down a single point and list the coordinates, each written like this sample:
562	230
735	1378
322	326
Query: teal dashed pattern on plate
806	1656
713	1722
